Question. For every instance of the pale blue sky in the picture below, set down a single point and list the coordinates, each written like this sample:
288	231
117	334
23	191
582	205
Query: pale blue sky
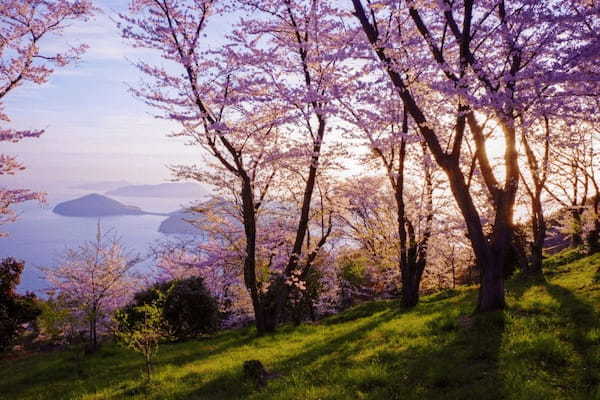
95	129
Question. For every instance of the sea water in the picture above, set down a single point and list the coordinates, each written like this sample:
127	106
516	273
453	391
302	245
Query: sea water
39	236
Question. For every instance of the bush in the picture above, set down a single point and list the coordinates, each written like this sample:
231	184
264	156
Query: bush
56	320
145	333
353	269
300	304
15	310
187	308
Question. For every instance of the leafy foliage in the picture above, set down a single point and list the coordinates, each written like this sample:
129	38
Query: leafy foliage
15	309
56	320
187	308
144	333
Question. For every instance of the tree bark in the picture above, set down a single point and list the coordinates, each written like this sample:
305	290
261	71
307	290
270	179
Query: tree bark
538	228
249	216
489	256
576	236
278	291
593	237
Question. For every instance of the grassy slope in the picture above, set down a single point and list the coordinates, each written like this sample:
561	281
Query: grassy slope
546	345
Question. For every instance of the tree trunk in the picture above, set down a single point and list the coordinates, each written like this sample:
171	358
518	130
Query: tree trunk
278	290
412	275
453	276
593	238
490	260
148	368
249	215
410	293
93	329
91	334
95	337
537	249
538	227
576	237
491	294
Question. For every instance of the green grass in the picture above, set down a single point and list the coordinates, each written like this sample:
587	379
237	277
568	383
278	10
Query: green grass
545	345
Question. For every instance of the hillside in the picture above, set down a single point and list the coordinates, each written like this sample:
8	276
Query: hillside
95	205
546	345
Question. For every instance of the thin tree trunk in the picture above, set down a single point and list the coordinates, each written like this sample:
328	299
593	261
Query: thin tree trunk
249	215
576	236
453	276
91	333
539	235
278	291
593	237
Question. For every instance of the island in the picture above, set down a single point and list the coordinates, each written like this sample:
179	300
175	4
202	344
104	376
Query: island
186	190
95	205
178	223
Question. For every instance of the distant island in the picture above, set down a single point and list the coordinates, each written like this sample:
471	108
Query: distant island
170	190
101	186
95	205
177	223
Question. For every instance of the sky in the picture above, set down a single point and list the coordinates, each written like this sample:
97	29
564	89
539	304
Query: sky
95	129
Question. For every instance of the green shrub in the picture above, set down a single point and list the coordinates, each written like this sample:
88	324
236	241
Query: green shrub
300	303
353	269
145	332
15	309
56	320
187	308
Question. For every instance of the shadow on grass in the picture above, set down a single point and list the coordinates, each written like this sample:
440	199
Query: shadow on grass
314	361
360	311
582	320
451	358
521	283
181	353
68	376
364	353
459	362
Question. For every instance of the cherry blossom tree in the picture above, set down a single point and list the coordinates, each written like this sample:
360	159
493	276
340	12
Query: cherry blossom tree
488	59
537	147
24	24
218	257
386	132
274	76
369	218
575	183
96	278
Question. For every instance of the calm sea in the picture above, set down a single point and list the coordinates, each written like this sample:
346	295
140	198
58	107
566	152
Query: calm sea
40	236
